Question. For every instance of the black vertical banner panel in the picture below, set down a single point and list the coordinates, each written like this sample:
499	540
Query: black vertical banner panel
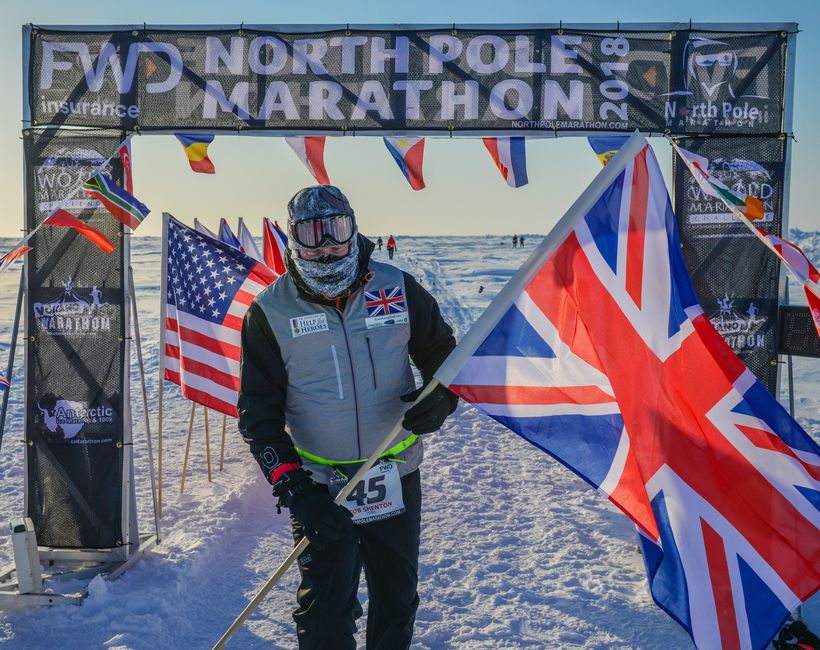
75	348
735	275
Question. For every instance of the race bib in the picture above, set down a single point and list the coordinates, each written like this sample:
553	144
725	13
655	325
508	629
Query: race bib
377	496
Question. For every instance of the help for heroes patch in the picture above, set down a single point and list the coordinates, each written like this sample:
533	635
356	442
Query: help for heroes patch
302	325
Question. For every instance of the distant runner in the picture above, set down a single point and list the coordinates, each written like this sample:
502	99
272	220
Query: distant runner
379	242
391	247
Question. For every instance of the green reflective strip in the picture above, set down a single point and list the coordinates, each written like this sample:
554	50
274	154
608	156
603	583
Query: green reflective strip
396	449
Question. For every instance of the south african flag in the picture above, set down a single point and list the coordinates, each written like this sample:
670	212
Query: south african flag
124	206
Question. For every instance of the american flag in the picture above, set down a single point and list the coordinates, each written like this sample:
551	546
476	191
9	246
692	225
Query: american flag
209	287
598	353
384	302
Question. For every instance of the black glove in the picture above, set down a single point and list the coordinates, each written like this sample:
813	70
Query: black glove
323	522
429	414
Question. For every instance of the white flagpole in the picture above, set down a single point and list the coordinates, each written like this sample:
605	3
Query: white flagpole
163	315
499	306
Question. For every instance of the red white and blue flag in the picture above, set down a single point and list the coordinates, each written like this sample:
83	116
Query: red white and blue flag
247	242
274	245
311	151
409	156
510	157
209	286
226	235
598	352
4	383
384	302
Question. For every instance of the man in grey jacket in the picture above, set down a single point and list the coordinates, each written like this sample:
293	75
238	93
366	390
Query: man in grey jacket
325	376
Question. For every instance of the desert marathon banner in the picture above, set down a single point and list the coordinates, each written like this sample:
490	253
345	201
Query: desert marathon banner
75	347
735	276
655	78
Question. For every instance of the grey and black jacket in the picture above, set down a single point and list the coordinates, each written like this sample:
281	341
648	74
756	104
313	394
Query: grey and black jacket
325	376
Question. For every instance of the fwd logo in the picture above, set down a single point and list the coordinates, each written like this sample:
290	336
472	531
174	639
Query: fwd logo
62	57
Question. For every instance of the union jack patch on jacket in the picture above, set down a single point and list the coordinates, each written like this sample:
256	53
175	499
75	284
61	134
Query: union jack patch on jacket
385	301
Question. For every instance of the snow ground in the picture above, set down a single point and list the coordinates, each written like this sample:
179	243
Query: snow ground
516	551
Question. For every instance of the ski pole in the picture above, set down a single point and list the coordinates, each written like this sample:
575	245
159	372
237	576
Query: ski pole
303	543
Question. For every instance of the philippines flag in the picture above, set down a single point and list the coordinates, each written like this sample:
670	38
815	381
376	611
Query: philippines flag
247	243
409	156
226	235
311	151
274	243
510	158
598	352
209	286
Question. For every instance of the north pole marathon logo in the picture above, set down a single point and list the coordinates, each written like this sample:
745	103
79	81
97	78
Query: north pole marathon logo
718	89
72	315
65	419
741	329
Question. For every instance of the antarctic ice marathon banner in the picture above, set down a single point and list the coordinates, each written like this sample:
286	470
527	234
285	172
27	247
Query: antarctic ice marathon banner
735	276
551	78
75	333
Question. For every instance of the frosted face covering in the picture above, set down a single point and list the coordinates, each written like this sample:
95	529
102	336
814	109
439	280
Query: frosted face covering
323	231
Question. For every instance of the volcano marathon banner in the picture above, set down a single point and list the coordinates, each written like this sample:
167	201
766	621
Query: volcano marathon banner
333	79
75	333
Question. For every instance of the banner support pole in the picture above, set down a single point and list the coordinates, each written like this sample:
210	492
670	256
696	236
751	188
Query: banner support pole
144	401
12	351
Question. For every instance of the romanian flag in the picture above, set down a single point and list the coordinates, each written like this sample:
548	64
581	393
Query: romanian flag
124	206
196	148
750	206
15	253
64	219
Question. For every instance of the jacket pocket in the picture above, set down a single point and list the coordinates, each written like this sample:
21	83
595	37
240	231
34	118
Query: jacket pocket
338	372
372	363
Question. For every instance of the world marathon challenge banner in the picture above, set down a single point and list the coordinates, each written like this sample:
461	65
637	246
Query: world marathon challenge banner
75	411
735	277
429	80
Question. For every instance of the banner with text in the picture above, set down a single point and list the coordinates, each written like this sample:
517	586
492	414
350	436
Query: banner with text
516	80
736	277
75	351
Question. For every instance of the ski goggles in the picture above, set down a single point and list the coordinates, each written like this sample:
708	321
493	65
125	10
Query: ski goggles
334	230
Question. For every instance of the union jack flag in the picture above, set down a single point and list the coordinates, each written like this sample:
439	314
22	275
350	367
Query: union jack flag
384	302
598	353
209	287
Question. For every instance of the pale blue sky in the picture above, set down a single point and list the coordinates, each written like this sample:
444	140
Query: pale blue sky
465	194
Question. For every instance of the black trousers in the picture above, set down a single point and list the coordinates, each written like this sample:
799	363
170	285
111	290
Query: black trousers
327	595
